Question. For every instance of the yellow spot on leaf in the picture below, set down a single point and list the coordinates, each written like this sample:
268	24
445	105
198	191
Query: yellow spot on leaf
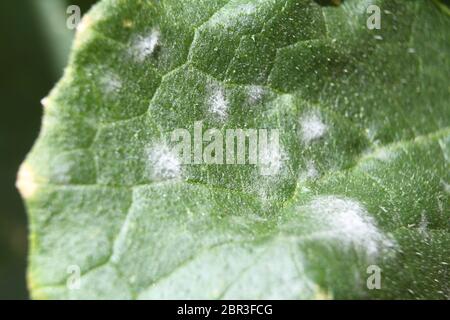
127	24
321	294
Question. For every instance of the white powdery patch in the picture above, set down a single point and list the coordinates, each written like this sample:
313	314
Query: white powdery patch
310	172
371	133
271	159
246	8
312	127
446	186
62	171
347	221
145	46
217	103
385	155
255	94
445	147
234	14
110	83
163	163
423	225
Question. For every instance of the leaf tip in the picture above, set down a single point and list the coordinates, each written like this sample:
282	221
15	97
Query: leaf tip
44	102
26	183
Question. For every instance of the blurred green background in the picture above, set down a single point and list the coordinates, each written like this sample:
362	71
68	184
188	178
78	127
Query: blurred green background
35	44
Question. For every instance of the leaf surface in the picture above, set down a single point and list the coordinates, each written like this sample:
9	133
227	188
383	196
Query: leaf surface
361	177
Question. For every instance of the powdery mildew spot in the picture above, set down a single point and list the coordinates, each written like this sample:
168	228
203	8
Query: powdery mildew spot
255	94
217	103
371	133
446	186
234	14
310	172
246	8
423	225
61	171
145	46
312	127
163	163
444	145
347	221
111	83
271	159
385	155
26	181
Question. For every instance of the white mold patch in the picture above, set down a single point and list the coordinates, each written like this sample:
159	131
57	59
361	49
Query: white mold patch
385	155
312	127
423	225
371	133
234	14
163	163
271	159
445	186
346	221
145	46
62	171
255	94
110	83
444	144
217	103
310	172
246	8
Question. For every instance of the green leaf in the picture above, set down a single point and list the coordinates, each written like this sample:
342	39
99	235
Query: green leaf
361	177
